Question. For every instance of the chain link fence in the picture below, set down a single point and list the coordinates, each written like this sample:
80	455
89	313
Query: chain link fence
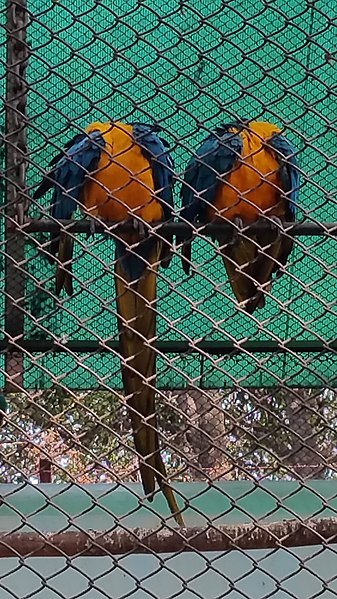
245	403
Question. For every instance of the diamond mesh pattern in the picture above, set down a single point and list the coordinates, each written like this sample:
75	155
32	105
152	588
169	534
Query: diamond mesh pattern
188	68
246	403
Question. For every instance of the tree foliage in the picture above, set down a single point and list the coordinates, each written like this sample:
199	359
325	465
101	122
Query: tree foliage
204	435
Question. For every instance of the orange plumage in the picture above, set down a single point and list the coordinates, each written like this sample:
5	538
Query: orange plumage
241	173
122	185
252	188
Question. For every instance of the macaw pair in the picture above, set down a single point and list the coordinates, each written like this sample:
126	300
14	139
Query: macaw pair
118	172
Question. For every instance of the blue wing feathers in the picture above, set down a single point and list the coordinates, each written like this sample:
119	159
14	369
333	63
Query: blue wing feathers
71	171
161	163
290	176
67	146
216	156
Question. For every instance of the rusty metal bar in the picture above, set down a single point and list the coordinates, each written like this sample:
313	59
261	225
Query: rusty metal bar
217	348
15	176
288	533
175	228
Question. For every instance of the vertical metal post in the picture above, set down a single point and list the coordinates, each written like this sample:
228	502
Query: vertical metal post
44	470
15	174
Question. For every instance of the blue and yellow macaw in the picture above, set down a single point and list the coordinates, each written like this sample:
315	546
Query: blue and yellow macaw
244	171
118	172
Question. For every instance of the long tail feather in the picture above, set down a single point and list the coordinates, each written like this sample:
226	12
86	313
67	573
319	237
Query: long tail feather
249	269
237	259
166	253
264	266
186	256
137	323
64	276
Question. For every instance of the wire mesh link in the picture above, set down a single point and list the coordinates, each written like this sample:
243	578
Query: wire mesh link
245	403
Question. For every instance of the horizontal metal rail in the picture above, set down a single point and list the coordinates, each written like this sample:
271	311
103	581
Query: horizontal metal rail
288	533
217	348
172	228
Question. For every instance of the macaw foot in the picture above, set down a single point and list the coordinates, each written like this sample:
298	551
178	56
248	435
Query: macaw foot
139	227
276	225
237	228
93	229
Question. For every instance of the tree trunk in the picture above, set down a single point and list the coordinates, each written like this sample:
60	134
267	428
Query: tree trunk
305	457
204	436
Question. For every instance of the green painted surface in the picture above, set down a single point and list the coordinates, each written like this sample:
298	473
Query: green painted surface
102	506
188	69
301	572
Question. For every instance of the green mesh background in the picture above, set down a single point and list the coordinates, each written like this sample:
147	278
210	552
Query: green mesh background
188	66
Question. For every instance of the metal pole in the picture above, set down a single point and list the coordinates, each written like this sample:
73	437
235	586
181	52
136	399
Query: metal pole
45	470
175	228
214	348
259	535
15	176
